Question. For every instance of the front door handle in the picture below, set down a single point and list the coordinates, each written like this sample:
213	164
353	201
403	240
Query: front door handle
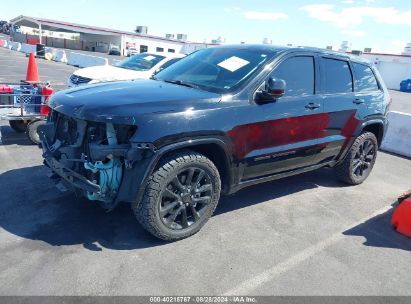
358	101
312	106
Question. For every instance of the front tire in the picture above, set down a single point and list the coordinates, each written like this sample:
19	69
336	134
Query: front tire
359	161
180	196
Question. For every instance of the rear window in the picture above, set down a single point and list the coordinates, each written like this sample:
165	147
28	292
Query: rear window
365	78
298	74
337	76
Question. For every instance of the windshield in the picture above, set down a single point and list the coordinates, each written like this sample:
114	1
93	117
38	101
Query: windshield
218	70
140	62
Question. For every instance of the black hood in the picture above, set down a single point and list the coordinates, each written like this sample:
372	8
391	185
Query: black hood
121	102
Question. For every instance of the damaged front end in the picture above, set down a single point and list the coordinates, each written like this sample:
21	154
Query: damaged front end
96	160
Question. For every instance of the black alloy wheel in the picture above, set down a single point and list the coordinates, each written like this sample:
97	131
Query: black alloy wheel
180	196
363	158
359	161
185	198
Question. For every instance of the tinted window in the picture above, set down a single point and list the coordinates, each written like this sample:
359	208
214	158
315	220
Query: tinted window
140	62
365	78
298	74
171	50
337	77
159	49
219	70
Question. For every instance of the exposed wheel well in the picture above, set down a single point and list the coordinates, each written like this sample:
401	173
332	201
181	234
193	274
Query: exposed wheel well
377	129
217	155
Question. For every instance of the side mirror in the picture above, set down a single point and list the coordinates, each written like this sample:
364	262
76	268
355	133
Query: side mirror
275	88
271	90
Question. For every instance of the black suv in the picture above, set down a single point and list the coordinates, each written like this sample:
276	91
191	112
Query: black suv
218	120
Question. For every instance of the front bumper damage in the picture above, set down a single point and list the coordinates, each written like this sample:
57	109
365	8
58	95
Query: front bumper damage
108	172
70	176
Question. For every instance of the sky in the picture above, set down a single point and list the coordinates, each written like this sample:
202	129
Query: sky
383	25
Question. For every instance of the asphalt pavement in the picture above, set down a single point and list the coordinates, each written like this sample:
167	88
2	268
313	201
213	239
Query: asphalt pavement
111	58
401	101
303	235
13	68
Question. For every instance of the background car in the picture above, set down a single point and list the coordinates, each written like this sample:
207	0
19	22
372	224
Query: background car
114	50
141	66
132	51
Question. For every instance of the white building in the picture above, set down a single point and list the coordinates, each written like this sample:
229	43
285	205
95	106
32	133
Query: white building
345	46
393	68
407	49
99	39
267	41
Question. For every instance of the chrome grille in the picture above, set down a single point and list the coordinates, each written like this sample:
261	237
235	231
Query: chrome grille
77	80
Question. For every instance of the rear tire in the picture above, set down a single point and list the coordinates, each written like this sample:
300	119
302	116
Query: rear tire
32	131
180	196
358	163
20	126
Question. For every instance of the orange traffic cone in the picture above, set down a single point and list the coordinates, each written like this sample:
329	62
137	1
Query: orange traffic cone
401	219
32	72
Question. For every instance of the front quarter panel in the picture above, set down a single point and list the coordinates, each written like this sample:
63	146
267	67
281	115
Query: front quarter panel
162	129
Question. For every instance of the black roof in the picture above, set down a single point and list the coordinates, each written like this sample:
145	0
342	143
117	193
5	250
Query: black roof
277	49
256	47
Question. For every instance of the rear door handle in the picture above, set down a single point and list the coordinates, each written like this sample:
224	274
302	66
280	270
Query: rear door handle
358	101
312	106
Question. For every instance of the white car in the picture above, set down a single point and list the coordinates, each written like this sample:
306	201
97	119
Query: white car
131	52
141	66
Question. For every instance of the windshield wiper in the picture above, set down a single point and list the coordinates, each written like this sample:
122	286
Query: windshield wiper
183	83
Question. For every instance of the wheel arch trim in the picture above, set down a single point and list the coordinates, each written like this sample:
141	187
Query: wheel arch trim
370	120
178	146
379	121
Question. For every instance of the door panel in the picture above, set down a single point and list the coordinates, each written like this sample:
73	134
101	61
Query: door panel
344	121
368	90
286	133
343	107
288	139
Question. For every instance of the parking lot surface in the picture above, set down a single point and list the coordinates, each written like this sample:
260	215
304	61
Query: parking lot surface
401	101
111	58
13	68
304	235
